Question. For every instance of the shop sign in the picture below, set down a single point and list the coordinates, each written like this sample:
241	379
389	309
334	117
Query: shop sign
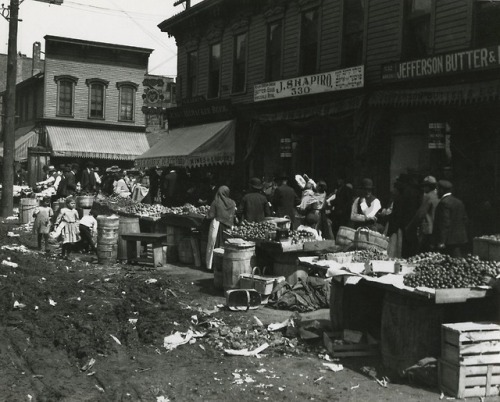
285	147
348	78
443	64
200	110
437	135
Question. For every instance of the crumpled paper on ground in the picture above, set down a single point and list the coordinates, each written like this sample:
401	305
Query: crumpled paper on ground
180	338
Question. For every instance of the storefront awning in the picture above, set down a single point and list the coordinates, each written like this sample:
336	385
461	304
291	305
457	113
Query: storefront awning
25	137
202	145
460	94
96	143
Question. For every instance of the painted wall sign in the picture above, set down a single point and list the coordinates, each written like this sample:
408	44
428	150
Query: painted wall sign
347	78
443	64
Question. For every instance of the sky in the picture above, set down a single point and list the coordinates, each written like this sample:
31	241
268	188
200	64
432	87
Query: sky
123	22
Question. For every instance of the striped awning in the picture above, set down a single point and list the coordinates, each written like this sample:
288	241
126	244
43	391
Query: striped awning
25	137
96	143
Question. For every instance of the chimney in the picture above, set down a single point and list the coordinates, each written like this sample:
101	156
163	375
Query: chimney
35	68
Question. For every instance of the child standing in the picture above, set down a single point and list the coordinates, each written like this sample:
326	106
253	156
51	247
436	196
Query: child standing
70	232
88	228
41	226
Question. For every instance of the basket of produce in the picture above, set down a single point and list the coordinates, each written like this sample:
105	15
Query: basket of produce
368	239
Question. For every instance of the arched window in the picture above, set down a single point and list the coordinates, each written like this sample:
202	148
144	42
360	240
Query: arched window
65	94
97	97
126	106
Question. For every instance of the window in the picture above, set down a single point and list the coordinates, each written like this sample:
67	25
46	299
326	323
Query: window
192	69
127	100
417	28
214	71
487	23
65	94
309	40
240	63
274	51
353	29
97	95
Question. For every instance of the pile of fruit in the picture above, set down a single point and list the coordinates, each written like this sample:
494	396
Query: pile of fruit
440	271
368	255
494	237
253	230
301	236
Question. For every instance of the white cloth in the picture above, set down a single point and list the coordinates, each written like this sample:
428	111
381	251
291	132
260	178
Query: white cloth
212	238
90	222
368	212
97	178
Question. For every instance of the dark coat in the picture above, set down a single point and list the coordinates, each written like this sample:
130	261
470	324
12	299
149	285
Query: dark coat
450	222
87	182
284	201
254	207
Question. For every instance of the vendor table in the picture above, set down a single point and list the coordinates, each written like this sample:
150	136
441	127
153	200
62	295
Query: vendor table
155	239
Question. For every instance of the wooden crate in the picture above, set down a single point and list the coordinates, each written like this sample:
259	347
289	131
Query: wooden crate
480	247
461	381
493	250
470	343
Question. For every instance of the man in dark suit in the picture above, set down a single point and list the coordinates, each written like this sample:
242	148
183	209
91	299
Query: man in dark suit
450	221
87	182
285	200
254	206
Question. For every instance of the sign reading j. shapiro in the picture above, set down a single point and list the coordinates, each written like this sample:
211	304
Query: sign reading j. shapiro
443	64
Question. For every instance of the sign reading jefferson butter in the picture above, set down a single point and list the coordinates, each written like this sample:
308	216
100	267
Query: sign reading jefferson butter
347	78
443	64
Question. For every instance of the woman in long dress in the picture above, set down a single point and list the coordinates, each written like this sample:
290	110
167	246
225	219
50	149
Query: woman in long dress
222	212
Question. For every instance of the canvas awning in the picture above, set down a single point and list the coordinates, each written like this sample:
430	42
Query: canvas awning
25	137
202	145
96	143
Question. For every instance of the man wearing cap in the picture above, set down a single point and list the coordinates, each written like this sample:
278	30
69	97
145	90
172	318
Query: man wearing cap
364	208
285	199
254	206
50	177
88	184
424	217
450	221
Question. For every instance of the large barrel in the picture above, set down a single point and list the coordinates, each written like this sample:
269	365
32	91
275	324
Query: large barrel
26	208
84	201
107	238
410	330
236	261
127	225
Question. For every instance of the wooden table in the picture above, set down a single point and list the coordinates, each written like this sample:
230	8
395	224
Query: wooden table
155	239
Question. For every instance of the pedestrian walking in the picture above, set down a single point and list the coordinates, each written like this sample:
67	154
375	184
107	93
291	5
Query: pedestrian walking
41	226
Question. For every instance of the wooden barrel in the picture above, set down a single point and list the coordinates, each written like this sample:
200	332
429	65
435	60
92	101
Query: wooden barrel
185	251
26	208
236	261
410	330
107	238
84	201
127	225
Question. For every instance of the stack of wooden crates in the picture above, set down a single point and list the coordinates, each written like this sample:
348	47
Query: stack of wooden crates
470	359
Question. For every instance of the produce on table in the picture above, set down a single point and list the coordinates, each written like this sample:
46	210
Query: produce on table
301	236
368	255
440	271
494	237
253	230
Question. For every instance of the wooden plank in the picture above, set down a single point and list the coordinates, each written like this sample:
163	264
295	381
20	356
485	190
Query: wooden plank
459	295
472	326
480	391
481	370
357	353
480	359
480	348
479	336
450	353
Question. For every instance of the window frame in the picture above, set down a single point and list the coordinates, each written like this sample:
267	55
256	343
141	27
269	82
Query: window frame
192	88
475	24
269	54
104	85
121	86
72	81
302	59
210	94
344	62
411	18
234	90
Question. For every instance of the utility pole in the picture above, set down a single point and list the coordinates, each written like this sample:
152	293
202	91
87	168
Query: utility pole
10	113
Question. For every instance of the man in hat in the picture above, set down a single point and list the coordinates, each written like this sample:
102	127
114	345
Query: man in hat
88	184
423	220
254	206
450	222
365	207
285	199
50	177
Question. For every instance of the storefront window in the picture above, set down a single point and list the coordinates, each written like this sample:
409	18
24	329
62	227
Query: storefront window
65	95
97	91
214	71
487	23
352	39
126	107
274	51
309	40
192	71
240	63
417	28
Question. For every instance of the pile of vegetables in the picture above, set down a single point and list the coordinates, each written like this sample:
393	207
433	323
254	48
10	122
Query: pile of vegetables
253	230
440	271
301	236
368	255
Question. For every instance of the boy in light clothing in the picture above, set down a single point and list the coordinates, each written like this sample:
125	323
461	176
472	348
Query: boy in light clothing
88	228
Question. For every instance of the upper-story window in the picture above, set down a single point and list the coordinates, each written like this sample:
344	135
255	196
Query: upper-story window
353	30
240	63
65	94
126	107
309	41
417	28
192	74
274	50
97	96
214	71
487	23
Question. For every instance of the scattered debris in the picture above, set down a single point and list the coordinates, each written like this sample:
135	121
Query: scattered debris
15	247
19	305
115	339
52	302
355	386
334	366
246	352
88	365
9	264
12	234
179	338
151	280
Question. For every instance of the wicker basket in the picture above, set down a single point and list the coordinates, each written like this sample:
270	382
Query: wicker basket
367	239
345	236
